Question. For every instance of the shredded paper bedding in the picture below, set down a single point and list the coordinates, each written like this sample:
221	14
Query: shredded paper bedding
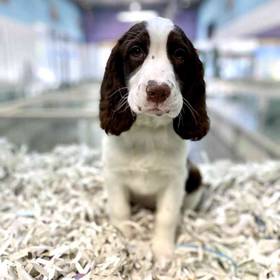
54	222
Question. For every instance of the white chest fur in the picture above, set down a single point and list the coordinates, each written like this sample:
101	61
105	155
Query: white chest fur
147	157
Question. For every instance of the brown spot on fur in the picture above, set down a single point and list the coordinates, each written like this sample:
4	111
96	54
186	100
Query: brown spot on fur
194	180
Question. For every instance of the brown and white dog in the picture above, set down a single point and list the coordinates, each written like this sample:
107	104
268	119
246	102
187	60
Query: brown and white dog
152	99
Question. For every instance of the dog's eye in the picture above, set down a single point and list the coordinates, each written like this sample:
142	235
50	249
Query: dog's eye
180	54
136	52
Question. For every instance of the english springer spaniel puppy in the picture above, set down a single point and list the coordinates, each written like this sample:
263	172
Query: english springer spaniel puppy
152	99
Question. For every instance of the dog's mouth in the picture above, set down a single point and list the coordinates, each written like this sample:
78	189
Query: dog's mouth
156	111
154	108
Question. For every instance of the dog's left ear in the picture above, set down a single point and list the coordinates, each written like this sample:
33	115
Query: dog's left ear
193	122
114	113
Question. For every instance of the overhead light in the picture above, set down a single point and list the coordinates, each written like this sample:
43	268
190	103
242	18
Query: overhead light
136	14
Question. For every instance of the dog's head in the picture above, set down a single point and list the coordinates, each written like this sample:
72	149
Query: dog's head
154	70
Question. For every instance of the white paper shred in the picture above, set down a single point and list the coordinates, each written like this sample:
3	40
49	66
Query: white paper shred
54	223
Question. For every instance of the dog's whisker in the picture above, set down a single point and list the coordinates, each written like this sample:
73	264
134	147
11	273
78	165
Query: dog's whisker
186	101
192	113
120	106
121	103
180	118
126	107
191	109
118	90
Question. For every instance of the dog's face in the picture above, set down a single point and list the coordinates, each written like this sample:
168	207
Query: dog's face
153	88
154	70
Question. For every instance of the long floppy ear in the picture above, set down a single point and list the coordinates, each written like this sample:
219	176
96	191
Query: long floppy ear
114	112
193	122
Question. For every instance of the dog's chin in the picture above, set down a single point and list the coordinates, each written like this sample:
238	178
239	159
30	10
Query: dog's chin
157	113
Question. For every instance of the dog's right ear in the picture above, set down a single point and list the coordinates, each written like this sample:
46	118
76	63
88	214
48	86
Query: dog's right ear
114	112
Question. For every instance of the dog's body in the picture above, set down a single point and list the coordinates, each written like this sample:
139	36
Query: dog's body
147	164
145	157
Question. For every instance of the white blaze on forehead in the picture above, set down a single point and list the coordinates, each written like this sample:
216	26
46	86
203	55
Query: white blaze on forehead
159	29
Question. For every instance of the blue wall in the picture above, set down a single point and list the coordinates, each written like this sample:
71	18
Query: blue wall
97	29
219	12
38	11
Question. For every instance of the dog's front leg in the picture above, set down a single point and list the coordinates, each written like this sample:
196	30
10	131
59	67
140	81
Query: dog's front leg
169	204
118	202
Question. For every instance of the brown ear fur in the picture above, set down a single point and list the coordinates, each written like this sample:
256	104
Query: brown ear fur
114	113
192	125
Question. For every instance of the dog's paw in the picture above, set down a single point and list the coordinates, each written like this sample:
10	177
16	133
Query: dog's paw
163	250
124	228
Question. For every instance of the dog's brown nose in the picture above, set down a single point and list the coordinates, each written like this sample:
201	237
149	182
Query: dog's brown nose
157	93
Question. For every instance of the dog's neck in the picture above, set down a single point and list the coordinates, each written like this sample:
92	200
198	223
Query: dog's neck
148	134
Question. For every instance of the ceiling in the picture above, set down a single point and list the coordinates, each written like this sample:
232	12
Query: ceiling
114	3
